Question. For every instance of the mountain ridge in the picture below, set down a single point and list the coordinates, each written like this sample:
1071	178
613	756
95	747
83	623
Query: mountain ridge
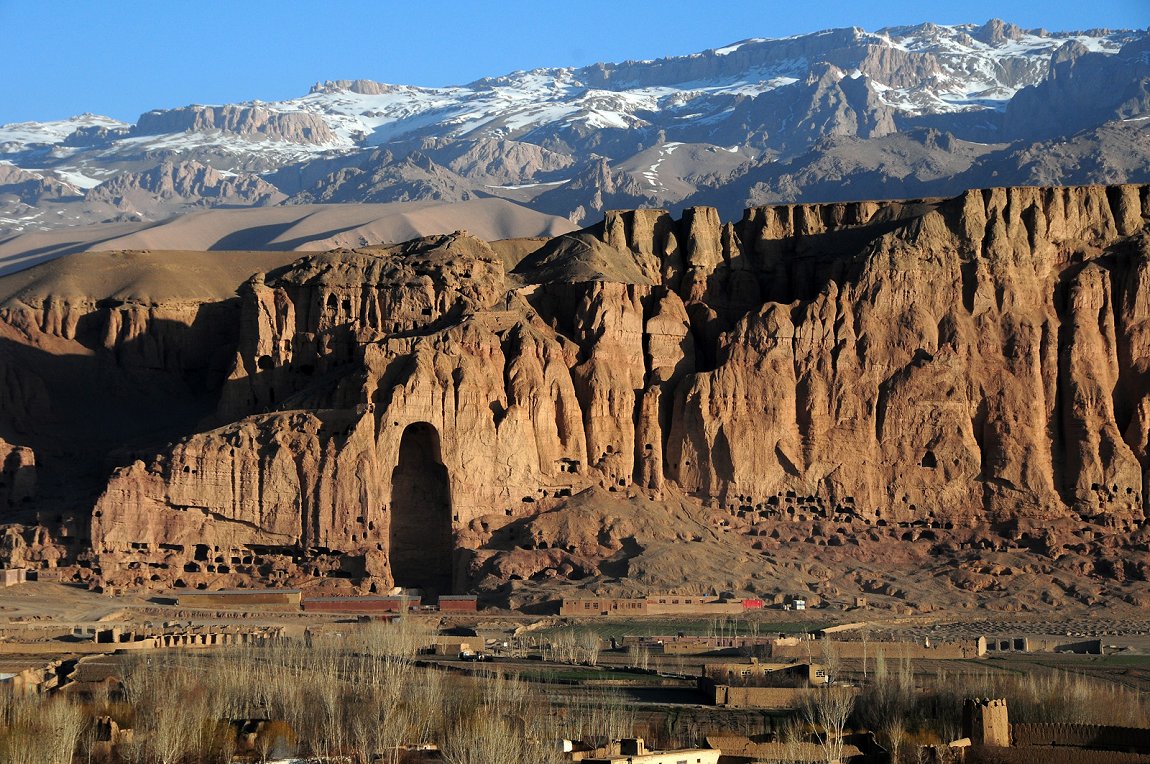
750	118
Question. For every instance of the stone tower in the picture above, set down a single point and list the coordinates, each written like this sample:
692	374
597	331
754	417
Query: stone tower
986	722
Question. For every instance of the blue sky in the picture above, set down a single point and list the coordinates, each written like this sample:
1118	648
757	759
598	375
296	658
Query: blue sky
64	57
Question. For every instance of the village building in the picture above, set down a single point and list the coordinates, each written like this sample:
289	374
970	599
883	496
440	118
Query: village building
458	603
400	603
657	604
240	598
603	606
635	751
741	749
778	686
12	576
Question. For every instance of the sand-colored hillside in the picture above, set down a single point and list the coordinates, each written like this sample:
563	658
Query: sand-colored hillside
140	276
629	544
289	228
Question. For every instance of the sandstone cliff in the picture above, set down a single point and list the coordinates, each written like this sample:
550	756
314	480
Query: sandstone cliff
975	362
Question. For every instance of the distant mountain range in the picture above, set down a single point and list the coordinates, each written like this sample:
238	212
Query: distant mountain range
843	114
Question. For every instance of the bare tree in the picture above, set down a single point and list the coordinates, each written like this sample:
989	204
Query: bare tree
591	644
831	660
828	709
793	744
893	731
38	730
62	722
483	739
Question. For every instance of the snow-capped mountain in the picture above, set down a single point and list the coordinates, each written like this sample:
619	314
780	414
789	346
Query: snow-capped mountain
905	110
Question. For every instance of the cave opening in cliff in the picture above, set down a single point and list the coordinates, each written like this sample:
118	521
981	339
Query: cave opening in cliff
421	542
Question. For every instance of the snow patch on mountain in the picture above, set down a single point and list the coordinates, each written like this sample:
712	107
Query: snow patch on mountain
971	74
21	135
663	130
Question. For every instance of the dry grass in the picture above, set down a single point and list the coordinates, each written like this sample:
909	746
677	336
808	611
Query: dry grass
359	697
907	712
34	730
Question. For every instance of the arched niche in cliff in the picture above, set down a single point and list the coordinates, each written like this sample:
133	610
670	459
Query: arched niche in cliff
421	542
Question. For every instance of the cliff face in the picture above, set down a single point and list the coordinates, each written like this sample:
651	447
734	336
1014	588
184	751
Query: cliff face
979	361
250	122
966	368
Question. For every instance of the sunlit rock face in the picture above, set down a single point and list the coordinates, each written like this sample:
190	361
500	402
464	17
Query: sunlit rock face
974	361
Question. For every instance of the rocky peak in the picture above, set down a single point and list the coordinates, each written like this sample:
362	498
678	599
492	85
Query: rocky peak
1067	53
96	135
997	32
363	87
503	161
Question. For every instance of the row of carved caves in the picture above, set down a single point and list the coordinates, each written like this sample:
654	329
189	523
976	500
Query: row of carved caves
421	540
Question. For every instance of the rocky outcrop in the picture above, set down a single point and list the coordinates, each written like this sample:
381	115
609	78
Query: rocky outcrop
250	122
974	362
189	182
30	188
827	104
32	547
363	87
594	189
943	363
495	161
386	178
1082	89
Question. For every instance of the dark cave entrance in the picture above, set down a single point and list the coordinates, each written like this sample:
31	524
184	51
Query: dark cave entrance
421	543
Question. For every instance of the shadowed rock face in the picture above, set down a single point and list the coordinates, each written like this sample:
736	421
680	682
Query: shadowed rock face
17	476
420	542
978	361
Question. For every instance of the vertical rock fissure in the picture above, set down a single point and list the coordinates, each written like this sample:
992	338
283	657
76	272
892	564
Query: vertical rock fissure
1065	477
